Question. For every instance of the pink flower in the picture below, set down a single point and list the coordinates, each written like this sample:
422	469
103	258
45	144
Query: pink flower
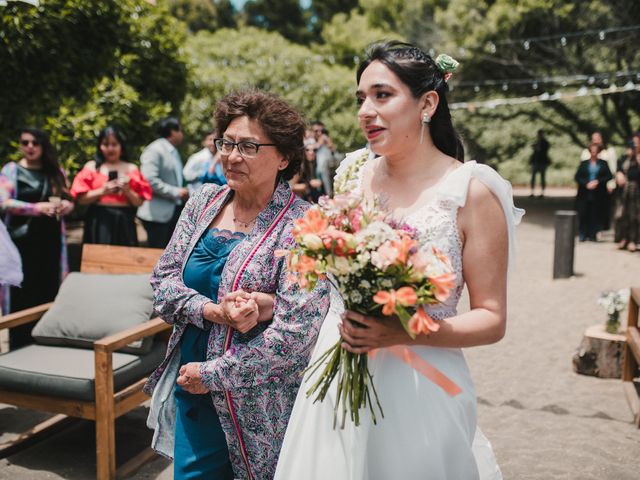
384	256
405	296
444	283
421	322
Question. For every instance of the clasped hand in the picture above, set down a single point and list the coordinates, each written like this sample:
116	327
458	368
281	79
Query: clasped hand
189	378
242	310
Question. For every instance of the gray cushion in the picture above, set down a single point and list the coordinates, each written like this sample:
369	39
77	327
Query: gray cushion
89	307
69	372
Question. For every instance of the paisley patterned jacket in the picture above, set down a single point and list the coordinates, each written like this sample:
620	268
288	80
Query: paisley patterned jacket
253	377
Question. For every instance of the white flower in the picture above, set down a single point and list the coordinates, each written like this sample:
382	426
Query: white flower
364	284
386	283
614	301
375	234
312	241
356	297
339	266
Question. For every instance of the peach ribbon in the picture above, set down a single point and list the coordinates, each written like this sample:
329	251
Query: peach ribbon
412	359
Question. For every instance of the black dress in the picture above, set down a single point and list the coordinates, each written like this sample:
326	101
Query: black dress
39	249
592	205
110	226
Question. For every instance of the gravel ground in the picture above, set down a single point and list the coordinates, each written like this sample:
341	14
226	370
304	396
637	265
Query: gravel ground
545	422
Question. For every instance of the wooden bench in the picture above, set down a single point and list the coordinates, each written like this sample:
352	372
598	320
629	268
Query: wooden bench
108	404
631	356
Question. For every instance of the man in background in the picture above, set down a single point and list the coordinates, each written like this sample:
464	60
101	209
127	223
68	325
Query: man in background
539	162
161	165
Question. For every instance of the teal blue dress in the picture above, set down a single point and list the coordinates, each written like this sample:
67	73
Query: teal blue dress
200	450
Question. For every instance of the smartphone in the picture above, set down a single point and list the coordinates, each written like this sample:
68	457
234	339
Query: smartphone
113	175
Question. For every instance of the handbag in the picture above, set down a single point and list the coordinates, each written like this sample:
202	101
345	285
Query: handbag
21	231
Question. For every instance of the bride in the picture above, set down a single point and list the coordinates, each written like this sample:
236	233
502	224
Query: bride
415	169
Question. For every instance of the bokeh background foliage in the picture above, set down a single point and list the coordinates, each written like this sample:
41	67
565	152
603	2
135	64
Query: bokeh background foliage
72	66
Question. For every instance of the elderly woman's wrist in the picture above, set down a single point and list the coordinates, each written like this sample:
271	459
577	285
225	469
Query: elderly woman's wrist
212	312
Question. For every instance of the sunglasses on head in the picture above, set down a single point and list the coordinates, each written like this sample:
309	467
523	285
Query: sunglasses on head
25	143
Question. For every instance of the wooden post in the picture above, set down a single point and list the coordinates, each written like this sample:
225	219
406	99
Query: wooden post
105	415
631	355
565	226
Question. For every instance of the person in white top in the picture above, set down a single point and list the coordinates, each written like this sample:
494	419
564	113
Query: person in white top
198	163
464	209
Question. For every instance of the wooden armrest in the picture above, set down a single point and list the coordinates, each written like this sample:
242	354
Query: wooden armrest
24	316
125	337
635	294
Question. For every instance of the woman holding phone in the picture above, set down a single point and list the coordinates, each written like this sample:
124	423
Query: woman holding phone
113	188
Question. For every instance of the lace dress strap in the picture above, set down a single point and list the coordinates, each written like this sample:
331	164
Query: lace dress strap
456	186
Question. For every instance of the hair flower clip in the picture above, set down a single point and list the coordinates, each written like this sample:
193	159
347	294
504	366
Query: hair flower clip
447	65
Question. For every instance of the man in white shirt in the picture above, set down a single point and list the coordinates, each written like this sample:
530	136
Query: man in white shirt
161	165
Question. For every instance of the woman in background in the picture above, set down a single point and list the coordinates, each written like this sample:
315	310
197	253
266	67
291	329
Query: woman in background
34	198
113	188
592	200
628	180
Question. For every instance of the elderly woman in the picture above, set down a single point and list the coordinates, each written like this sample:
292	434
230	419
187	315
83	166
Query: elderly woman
243	331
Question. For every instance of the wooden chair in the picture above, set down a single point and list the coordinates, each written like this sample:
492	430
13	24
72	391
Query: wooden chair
108	404
631	356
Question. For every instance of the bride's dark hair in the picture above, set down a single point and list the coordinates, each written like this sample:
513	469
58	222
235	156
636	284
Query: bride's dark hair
419	72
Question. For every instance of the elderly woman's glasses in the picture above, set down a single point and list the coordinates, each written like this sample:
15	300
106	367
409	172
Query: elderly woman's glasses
246	149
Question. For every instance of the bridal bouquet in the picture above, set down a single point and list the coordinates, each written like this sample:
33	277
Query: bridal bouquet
380	269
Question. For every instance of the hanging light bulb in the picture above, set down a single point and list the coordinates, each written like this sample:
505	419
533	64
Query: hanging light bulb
505	87
602	35
591	80
535	85
476	88
563	41
526	44
492	47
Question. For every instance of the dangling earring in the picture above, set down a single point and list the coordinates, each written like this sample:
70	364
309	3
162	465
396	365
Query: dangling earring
425	121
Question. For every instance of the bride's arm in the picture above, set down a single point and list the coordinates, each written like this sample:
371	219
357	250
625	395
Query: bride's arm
484	262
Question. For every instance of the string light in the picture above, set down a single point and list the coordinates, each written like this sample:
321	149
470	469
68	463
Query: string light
563	80
527	42
544	97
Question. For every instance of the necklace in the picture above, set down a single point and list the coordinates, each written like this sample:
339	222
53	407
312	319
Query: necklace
245	224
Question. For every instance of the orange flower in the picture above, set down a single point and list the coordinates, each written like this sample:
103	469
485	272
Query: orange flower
338	242
305	264
444	283
312	222
405	296
421	322
403	246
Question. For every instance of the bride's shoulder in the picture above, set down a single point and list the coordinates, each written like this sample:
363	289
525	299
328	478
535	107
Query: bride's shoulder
348	172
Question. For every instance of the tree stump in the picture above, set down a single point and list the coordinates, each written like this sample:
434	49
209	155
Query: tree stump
599	353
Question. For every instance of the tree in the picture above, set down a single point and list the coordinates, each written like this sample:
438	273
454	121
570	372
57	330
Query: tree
204	14
322	11
495	40
73	66
283	16
346	36
231	59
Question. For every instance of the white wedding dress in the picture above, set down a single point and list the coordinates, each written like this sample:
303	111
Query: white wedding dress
425	433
